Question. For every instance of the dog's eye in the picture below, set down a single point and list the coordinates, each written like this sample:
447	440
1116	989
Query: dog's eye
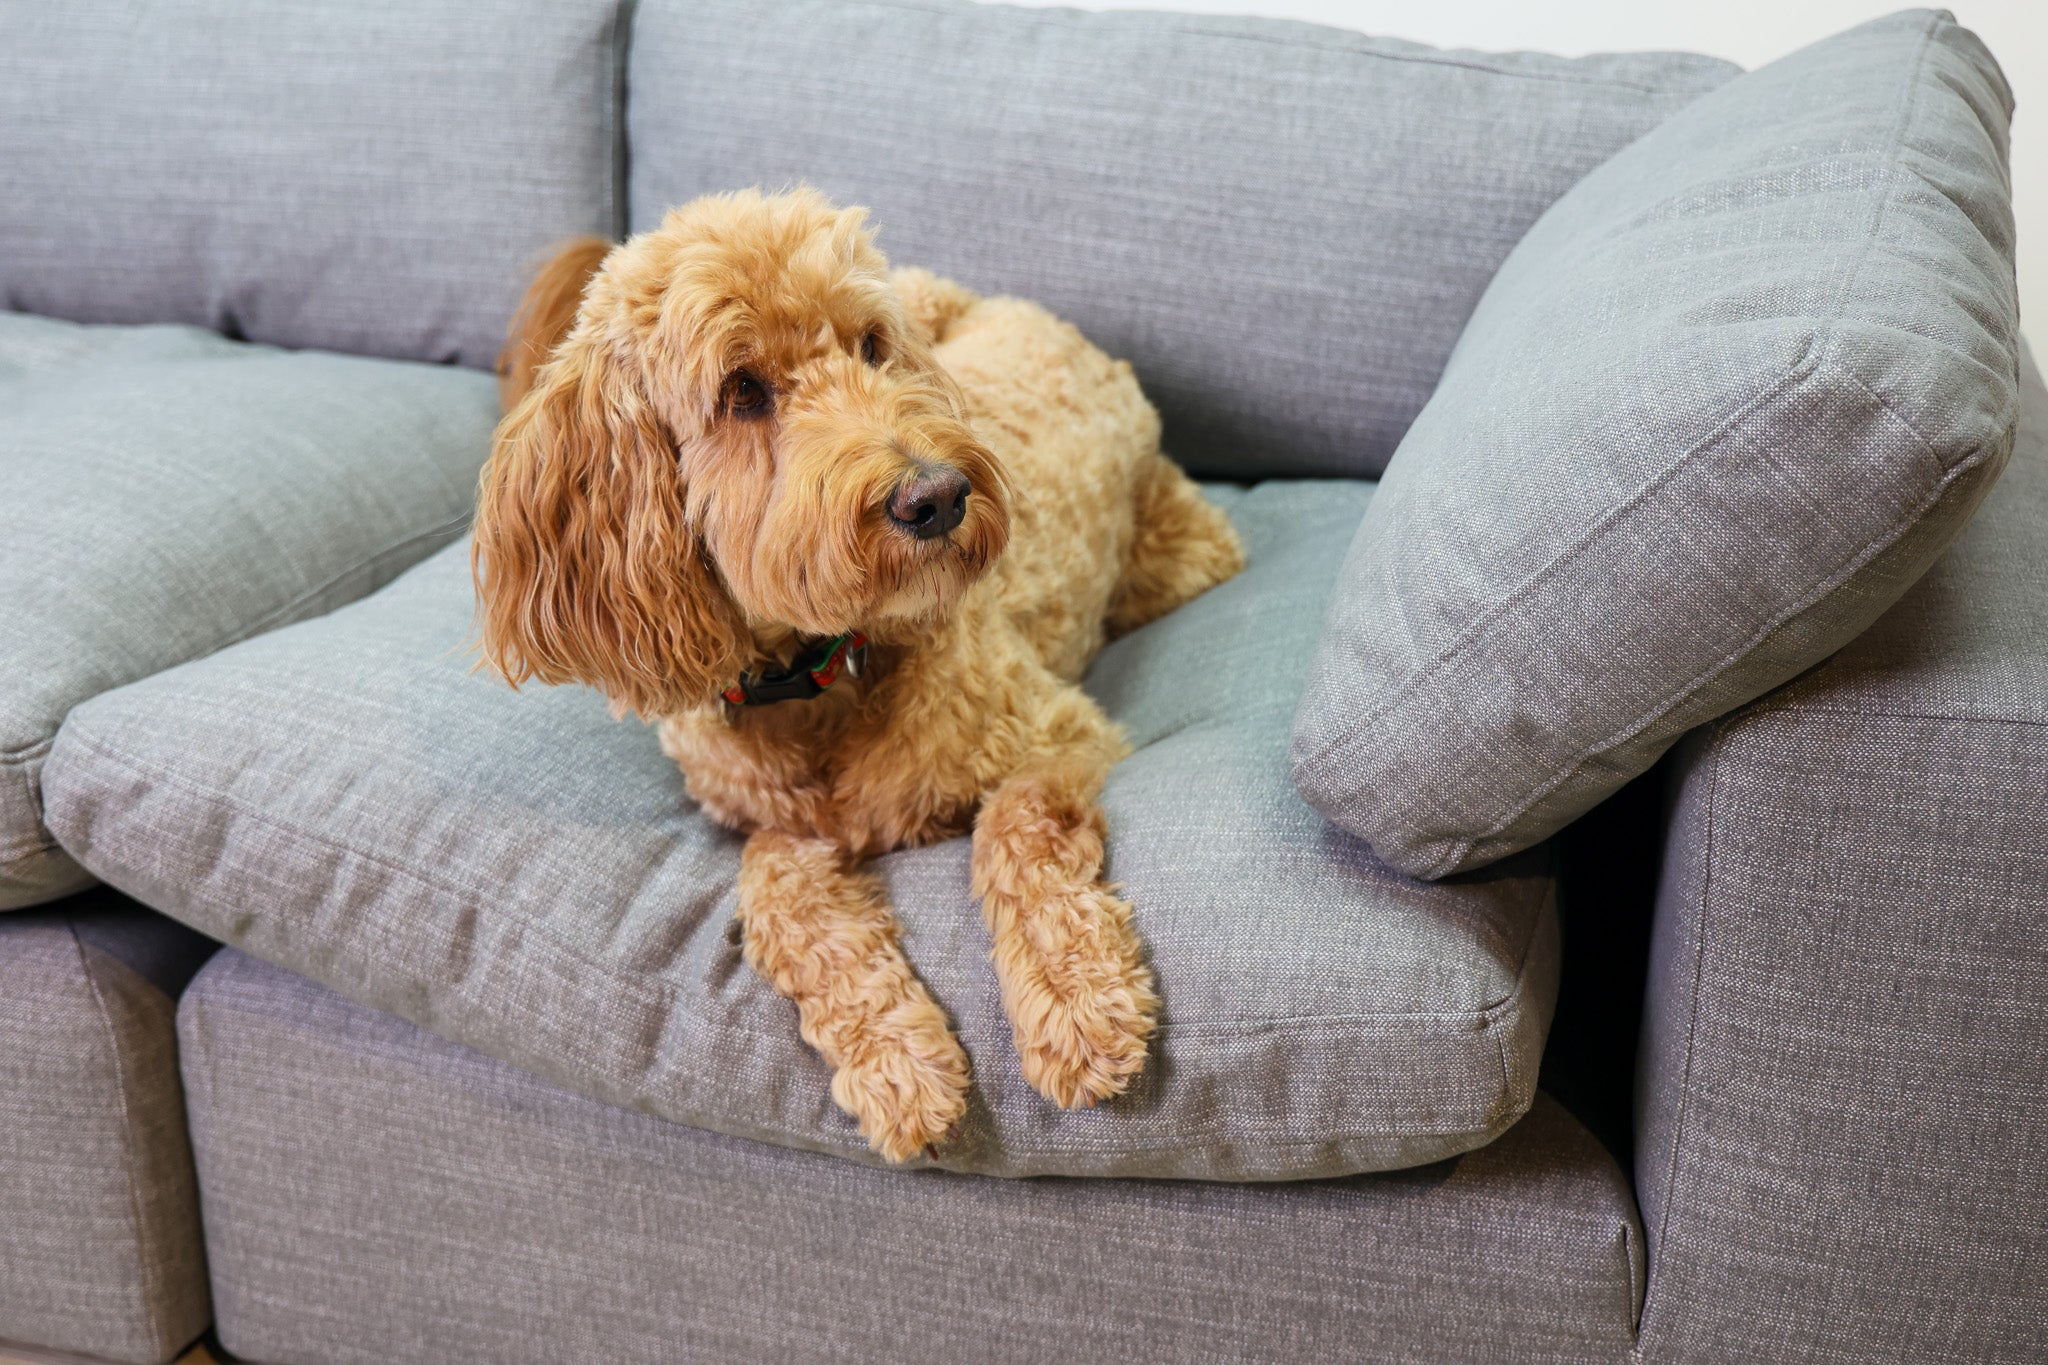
746	396
871	348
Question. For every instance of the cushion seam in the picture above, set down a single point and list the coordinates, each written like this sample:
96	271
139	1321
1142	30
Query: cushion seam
1795	708
1633	1309
1186	1141
1699	957
1437	57
1513	1002
1802	365
1692	686
371	561
1912	430
1893	143
205	1097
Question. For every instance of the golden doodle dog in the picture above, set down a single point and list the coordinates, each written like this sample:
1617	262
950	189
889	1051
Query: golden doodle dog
851	536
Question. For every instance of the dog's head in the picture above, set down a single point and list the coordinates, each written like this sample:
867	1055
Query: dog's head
740	440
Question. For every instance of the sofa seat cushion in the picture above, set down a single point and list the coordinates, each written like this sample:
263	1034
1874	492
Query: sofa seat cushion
100	1248
374	1193
1721	407
374	177
520	872
1281	226
169	491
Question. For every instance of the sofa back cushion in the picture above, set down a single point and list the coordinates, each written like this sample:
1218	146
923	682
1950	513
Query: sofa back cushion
1282	226
374	176
1722	406
169	492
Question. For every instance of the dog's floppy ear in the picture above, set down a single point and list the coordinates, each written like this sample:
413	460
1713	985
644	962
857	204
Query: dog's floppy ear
546	313
586	568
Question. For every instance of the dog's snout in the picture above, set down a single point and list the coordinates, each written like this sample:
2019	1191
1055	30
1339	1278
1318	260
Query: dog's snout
930	502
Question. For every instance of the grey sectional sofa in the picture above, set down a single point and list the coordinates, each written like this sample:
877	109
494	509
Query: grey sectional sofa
1745	1064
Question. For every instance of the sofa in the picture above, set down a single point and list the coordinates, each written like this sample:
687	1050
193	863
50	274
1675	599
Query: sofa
357	1007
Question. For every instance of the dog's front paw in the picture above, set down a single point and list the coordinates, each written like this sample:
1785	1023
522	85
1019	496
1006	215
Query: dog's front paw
1080	999
906	1080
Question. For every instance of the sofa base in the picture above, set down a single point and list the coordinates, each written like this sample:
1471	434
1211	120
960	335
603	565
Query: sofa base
373	1192
99	1222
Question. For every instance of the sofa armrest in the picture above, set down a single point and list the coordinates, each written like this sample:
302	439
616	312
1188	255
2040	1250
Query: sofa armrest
1842	1098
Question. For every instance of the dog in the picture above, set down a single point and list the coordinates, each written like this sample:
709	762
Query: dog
851	537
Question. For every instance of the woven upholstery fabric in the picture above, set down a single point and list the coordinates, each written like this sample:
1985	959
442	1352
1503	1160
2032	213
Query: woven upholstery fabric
375	176
519	872
1725	402
374	1193
170	492
1843	1100
1281	226
100	1248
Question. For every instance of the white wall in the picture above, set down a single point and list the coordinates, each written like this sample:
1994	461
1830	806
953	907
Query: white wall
1751	32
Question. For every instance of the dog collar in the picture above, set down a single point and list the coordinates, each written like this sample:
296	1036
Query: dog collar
810	673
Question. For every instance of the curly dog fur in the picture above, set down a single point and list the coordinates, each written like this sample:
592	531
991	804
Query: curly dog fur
705	472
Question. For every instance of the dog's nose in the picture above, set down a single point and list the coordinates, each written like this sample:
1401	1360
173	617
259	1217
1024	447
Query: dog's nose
930	502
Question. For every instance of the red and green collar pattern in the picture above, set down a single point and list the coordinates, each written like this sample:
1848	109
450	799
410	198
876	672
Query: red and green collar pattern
811	672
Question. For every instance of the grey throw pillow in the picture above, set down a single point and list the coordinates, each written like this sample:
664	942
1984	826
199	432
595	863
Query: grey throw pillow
1732	394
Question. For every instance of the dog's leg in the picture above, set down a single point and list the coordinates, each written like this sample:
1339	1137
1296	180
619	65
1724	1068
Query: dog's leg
1184	547
1074	979
822	934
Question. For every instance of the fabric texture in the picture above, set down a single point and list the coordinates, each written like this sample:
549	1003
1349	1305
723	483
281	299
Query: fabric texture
170	492
100	1248
377	177
1282	226
519	872
374	1193
1725	402
1842	1095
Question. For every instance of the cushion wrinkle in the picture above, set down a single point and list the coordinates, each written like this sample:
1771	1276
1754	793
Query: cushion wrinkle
146	1267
